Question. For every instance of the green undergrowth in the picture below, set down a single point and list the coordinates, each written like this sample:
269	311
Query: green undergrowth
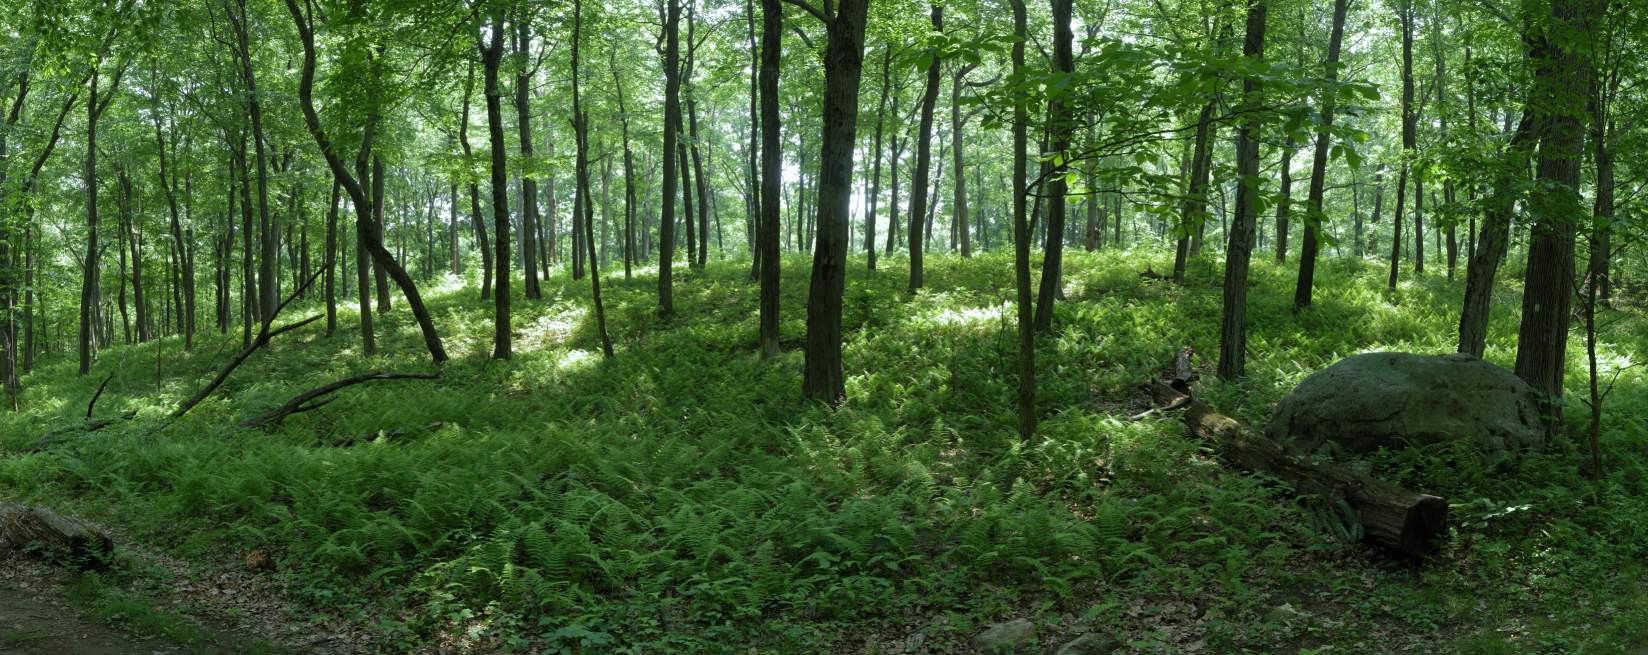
682	498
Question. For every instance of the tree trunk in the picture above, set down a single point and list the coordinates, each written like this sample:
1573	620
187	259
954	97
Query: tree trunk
187	273
1602	154
752	149
687	190
1195	205
1404	13
581	130
629	167
379	275
523	122
843	62
924	156
875	175
772	162
1563	72
1052	266
1319	169
491	58
134	240
1239	252
1284	201
703	184
331	261
89	270
958	207
1021	237
672	118
1396	225
474	191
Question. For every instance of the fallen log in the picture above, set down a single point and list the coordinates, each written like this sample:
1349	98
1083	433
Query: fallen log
71	432
312	399
37	529
1390	516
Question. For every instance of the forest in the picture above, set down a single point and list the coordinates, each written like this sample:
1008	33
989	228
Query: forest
823	326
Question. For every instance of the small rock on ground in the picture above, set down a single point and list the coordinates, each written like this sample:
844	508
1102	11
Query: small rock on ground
1016	636
1091	644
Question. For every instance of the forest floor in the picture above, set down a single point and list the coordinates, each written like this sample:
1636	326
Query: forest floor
33	624
683	498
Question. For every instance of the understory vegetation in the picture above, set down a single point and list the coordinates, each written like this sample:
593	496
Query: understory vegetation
668	500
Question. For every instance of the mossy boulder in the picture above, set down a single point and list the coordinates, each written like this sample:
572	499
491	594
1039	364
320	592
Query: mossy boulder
1398	400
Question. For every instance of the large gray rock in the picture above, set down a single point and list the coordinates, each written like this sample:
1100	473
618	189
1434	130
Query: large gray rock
1396	400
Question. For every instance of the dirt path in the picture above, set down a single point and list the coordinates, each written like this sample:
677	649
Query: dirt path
154	604
36	622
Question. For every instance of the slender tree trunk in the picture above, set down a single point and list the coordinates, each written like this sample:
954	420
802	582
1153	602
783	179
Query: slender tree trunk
455	261
250	310
169	185
380	276
267	293
1603	206
134	240
1239	252
688	215
330	263
672	118
523	123
751	149
1396	224
772	162
89	269
1284	202
698	175
1021	237
1404	12
629	166
1195	205
474	191
491	58
924	157
958	207
1319	169
1059	132
581	130
875	175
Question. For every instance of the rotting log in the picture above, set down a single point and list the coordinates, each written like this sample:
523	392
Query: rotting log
37	529
1392	517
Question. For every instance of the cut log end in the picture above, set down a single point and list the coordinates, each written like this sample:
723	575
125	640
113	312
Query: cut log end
40	530
1399	519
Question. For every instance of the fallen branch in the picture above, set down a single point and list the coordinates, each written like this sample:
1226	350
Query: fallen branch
39	529
313	398
263	337
1390	516
93	402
